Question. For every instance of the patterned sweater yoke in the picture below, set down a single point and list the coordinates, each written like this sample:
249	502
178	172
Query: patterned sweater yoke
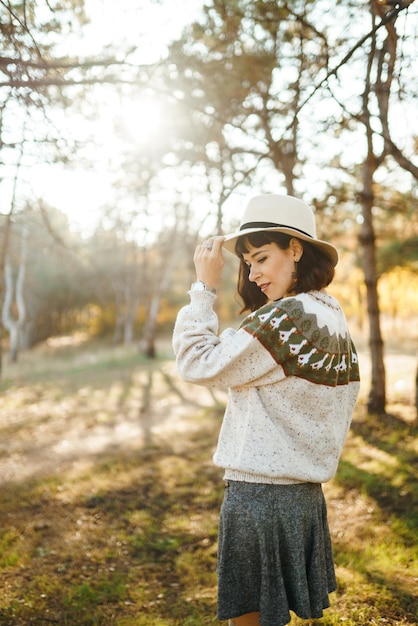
306	345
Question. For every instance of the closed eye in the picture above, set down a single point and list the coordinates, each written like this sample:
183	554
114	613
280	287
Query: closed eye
258	257
259	261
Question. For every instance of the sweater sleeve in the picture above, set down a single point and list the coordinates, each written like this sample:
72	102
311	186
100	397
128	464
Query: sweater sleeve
233	358
294	338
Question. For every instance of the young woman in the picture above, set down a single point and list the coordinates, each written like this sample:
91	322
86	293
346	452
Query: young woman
292	376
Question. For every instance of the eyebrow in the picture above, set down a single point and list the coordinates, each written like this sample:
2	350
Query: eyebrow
255	254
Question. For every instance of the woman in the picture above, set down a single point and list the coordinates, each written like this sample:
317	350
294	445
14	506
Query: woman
292	376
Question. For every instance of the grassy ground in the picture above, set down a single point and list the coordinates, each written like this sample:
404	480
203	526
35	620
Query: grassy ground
109	499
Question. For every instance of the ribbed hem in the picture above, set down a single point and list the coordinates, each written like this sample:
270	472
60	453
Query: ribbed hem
246	477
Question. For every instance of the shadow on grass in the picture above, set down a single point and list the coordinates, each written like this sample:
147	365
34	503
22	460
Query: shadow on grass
392	500
73	416
389	433
129	538
390	595
383	553
133	542
396	492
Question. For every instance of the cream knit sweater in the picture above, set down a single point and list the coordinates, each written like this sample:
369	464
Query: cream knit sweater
292	375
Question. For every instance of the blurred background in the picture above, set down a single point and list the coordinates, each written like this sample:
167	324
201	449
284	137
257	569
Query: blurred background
129	131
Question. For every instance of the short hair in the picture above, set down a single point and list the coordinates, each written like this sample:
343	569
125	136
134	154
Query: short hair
315	269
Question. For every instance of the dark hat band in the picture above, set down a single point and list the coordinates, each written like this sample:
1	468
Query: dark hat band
271	225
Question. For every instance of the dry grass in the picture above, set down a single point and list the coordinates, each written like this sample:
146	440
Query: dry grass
109	499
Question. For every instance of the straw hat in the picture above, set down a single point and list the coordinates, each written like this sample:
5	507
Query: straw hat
280	213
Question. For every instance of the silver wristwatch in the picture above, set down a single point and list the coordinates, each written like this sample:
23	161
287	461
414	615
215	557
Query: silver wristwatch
201	286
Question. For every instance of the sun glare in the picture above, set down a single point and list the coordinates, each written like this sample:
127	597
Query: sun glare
141	120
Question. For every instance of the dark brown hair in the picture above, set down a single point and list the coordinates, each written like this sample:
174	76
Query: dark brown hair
314	270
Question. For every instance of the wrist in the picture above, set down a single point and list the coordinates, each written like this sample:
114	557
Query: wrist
199	285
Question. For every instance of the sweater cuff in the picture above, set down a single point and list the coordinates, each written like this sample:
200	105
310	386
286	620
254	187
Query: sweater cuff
202	300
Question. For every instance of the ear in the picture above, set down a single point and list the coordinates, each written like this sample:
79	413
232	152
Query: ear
296	247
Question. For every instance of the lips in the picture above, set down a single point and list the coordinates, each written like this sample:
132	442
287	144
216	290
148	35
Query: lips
263	286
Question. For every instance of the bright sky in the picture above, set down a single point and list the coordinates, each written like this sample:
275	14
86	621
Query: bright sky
148	25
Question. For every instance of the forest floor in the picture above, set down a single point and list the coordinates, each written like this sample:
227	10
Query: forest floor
109	499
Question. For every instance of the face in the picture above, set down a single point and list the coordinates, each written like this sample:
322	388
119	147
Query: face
271	268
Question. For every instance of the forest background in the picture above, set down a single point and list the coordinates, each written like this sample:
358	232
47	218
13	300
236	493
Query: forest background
128	133
298	97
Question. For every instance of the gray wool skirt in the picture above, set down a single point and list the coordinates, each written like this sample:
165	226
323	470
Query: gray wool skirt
274	553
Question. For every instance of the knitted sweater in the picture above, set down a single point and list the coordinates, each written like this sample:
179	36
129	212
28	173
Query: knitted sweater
292	375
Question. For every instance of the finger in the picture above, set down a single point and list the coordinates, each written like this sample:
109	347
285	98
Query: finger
217	243
214	243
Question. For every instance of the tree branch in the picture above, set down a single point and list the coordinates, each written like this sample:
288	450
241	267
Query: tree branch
22	24
389	16
64	82
63	64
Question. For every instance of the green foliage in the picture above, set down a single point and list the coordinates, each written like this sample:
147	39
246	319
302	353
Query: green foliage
86	596
8	556
399	253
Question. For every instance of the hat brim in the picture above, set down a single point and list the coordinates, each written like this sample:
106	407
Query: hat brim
230	241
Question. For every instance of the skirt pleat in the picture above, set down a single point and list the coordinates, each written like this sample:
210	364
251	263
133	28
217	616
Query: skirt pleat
274	553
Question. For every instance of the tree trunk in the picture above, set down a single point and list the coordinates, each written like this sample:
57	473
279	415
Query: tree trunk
127	297
14	343
416	394
3	255
377	396
129	327
15	326
147	342
383	60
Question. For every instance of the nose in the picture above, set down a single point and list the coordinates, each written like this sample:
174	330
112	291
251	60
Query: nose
253	274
